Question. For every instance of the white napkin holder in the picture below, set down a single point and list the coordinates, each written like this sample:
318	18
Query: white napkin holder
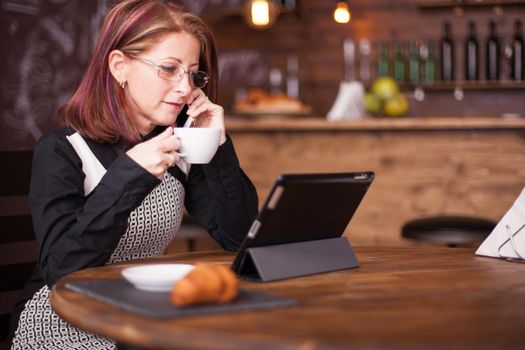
348	104
507	240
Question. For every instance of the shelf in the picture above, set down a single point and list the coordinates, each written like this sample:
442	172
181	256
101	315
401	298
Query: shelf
472	4
480	85
483	85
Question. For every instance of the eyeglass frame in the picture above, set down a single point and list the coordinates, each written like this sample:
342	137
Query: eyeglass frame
159	66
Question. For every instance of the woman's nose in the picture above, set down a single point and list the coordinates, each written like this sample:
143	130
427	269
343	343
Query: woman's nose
183	86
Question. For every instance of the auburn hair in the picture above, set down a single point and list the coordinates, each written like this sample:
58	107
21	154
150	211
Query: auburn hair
98	109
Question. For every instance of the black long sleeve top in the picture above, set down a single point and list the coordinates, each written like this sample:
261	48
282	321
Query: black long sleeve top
75	231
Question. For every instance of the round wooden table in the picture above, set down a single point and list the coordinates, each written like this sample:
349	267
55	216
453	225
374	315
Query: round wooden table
400	297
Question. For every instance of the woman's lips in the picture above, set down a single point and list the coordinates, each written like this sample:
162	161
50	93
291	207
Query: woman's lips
175	105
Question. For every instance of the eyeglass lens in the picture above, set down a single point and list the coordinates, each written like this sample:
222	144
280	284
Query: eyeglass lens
198	79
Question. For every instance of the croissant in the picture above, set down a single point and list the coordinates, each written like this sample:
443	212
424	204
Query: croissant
206	283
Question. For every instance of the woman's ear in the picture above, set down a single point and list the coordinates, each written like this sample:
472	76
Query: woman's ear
117	61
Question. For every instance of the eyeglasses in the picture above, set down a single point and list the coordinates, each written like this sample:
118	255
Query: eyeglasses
175	72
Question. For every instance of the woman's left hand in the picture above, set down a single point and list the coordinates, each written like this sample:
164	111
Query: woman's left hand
206	114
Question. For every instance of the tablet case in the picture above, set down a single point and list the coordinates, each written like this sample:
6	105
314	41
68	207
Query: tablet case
298	231
276	262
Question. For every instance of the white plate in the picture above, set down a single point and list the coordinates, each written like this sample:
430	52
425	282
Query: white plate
157	277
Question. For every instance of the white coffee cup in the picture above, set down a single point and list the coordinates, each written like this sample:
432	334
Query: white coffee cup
198	145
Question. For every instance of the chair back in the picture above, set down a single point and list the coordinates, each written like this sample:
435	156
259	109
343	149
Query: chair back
18	251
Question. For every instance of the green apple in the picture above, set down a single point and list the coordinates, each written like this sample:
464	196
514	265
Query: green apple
372	103
397	106
385	88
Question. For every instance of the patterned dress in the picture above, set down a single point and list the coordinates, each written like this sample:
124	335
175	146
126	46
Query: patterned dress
151	226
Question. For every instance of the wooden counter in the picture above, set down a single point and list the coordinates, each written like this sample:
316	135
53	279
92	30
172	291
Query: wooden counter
423	167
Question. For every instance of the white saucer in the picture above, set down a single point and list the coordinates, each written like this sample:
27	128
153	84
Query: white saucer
157	277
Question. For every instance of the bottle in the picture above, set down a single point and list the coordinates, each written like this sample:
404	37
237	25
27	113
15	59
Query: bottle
276	80
399	63
447	54
349	59
471	53
413	62
493	52
364	60
382	60
292	79
428	56
518	53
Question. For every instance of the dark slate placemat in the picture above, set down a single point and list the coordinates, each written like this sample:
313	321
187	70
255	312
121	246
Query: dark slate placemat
124	295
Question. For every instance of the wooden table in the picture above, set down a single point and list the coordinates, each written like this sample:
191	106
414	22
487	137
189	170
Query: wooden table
400	298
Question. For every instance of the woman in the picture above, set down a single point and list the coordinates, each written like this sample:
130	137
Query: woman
111	186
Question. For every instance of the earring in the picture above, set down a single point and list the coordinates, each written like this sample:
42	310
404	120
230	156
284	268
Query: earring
123	84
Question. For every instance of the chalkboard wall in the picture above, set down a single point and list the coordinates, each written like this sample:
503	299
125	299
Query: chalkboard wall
46	45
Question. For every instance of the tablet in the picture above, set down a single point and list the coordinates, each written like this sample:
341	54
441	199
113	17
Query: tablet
306	207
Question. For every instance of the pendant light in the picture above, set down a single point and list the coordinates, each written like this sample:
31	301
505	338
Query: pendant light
342	12
261	14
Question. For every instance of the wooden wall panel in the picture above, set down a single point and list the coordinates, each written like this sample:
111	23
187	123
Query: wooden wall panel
418	173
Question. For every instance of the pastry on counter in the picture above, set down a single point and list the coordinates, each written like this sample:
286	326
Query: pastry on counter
258	101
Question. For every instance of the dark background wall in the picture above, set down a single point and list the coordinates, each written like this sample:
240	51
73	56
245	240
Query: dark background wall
311	33
46	45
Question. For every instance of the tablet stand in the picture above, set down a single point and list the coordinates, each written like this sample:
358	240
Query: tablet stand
276	262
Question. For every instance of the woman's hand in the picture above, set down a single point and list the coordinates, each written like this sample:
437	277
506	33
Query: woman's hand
206	114
157	154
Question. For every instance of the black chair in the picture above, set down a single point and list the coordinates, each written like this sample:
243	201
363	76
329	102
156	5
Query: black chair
449	230
18	252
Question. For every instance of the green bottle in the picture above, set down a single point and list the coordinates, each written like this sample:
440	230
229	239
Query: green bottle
399	63
414	63
430	62
382	60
